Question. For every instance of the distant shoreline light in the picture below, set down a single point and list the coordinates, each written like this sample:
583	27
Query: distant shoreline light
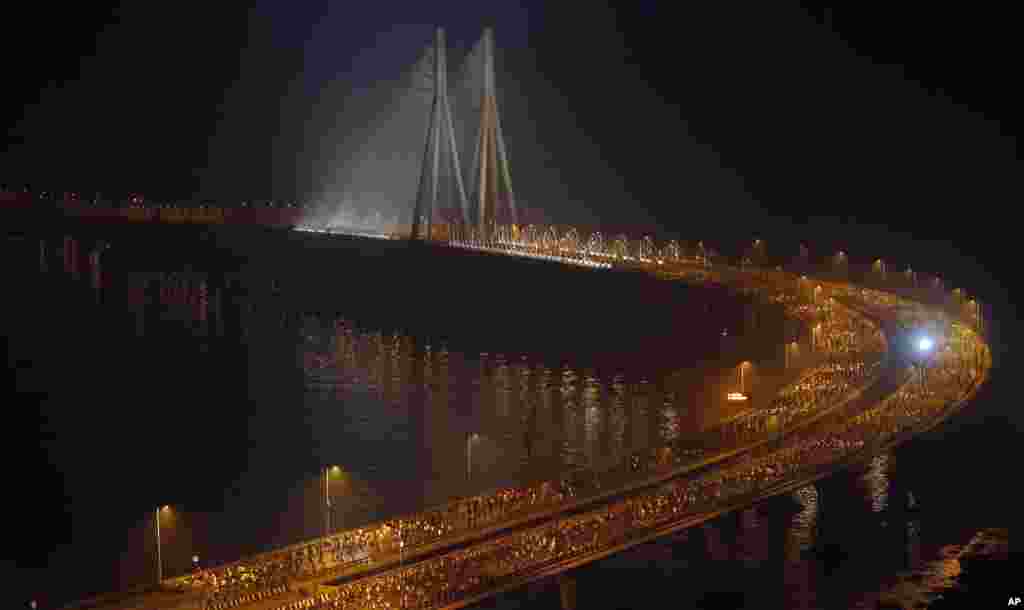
351	232
590	264
543	257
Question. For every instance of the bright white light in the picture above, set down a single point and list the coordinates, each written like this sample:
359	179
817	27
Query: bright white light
924	344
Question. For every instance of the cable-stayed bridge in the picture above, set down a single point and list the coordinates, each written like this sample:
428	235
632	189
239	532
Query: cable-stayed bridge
855	403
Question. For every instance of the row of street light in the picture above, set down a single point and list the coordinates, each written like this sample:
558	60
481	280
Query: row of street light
165	511
328	473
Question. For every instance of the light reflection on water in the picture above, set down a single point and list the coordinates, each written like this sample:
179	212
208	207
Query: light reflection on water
784	553
538	421
801	533
877	479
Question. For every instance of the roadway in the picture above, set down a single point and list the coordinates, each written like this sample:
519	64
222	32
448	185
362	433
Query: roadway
894	379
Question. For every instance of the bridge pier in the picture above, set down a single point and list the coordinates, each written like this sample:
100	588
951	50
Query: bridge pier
735	530
900	518
567	591
690	546
730	530
820	518
712	538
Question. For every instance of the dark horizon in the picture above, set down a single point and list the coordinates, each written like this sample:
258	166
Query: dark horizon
773	113
785	123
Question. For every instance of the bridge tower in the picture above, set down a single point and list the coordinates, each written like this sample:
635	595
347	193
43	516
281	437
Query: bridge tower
439	150
492	182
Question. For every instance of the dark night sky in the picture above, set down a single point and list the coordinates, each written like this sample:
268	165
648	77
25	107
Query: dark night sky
644	115
841	127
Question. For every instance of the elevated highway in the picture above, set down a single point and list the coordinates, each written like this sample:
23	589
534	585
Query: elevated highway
456	555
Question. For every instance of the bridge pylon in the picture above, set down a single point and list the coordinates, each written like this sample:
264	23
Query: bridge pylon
440	153
492	181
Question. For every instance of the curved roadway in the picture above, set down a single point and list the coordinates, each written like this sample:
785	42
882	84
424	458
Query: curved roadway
555	527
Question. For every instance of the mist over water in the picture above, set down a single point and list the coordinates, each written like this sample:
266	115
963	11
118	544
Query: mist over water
370	162
371	148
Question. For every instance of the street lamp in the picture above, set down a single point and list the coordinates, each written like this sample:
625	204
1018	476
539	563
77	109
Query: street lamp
159	560
790	347
840	262
924	345
401	573
470	439
976	314
328	470
759	254
743	367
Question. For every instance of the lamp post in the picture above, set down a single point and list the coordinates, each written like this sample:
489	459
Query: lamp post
793	347
759	256
401	573
743	385
470	439
924	347
159	558
327	497
327	501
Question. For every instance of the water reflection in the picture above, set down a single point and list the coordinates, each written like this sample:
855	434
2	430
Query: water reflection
877	480
804	523
538	420
784	553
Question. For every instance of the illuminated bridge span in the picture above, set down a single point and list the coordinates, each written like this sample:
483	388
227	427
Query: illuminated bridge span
857	401
457	554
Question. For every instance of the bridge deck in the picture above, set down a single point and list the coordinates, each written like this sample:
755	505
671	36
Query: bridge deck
506	535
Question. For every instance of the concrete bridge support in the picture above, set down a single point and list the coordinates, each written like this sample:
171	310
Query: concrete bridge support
567	590
901	519
820	521
731	528
703	543
714	546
